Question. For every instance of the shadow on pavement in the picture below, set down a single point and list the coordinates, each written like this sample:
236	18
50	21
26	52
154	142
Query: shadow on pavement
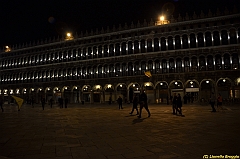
138	120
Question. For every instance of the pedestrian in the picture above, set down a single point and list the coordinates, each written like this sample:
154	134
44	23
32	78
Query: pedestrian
143	103
179	104
212	102
61	102
174	103
185	99
120	100
110	100
135	103
1	103
43	102
219	102
66	102
51	102
32	102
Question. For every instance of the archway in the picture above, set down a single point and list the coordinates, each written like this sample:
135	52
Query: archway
133	88
76	94
207	86
149	90
86	96
176	87
97	94
191	91
224	86
121	90
162	92
109	93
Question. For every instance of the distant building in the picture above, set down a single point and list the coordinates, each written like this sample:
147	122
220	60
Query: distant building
196	54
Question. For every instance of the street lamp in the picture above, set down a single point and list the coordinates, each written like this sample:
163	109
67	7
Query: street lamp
69	36
162	20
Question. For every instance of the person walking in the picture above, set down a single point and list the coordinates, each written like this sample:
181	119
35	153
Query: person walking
219	102
212	102
43	102
135	103
119	100
66	102
179	104
174	103
143	104
51	102
1	103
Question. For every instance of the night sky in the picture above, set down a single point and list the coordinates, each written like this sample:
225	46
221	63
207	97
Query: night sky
23	21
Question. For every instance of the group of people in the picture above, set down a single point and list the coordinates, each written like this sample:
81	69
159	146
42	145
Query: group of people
51	101
213	99
177	104
142	100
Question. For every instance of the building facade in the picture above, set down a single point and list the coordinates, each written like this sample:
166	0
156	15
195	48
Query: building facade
193	55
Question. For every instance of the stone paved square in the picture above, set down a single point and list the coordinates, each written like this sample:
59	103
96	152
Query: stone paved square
105	132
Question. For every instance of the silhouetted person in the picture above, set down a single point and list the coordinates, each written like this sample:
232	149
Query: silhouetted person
185	99
43	102
135	103
188	98
60	100
1	103
120	100
167	100
174	103
110	100
51	102
212	102
179	104
143	103
219	101
66	102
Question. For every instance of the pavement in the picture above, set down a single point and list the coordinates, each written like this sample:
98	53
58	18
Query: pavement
102	131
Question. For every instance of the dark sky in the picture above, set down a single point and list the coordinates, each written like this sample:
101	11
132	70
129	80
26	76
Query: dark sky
23	21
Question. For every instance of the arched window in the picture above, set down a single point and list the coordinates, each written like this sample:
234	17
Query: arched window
224	36
235	61
117	70
123	48
136	68
117	49
202	63
163	44
100	71
185	41
216	38
218	62
170	43
136	47
89	53
157	67
105	51
130	48
177	42
210	63
124	69
95	52
192	41
227	65
156	44
179	65
233	36
171	65
111	50
105	71
130	69
149	45
111	70
208	39
143	67
194	64
84	54
143	47
164	66
99	51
